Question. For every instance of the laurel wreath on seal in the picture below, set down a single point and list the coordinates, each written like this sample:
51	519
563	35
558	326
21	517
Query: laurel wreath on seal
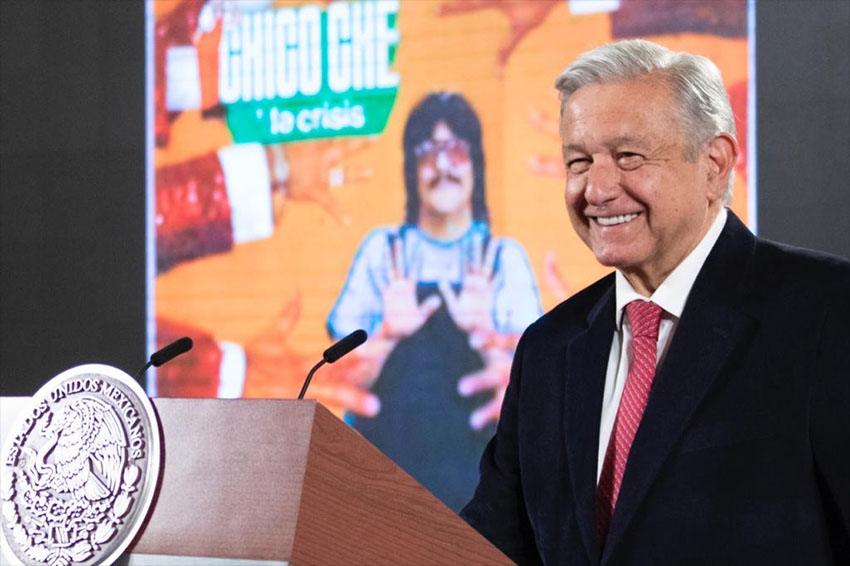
60	532
65	512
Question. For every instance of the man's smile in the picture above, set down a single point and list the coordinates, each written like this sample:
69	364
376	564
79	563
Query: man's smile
614	220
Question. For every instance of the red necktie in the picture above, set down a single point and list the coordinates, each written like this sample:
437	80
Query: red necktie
644	318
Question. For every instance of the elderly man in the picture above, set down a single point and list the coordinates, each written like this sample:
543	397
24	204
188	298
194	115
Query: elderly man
694	406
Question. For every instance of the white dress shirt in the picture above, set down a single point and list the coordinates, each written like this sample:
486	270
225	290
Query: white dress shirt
671	296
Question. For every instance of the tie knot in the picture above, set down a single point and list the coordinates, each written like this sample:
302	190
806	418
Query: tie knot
644	318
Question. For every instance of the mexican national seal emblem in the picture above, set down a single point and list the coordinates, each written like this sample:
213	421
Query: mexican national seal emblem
79	470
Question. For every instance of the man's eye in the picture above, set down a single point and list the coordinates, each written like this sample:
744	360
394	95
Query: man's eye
629	160
579	165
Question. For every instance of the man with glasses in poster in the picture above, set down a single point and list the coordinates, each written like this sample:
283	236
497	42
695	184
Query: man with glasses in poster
443	301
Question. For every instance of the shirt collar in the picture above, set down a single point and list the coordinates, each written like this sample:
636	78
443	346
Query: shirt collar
673	292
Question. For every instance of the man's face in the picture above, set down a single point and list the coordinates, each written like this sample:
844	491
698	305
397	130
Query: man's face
444	171
631	195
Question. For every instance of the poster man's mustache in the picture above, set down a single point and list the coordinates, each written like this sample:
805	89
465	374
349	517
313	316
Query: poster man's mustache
444	177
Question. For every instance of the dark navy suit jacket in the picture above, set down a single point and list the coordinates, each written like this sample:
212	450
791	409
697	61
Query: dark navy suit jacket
743	452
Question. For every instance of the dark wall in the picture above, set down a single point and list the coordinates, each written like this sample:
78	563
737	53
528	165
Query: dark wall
72	171
72	168
803	82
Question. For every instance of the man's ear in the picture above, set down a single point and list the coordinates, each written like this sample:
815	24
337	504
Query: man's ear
722	155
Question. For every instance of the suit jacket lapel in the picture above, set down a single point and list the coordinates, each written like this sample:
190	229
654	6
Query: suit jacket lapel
710	328
586	362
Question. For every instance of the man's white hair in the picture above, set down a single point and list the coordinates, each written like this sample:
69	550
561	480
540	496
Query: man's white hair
695	82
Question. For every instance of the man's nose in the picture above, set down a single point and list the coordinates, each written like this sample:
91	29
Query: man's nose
603	182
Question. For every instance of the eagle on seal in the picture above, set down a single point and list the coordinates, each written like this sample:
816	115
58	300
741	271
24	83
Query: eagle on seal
88	448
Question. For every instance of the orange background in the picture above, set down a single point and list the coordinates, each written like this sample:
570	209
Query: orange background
236	294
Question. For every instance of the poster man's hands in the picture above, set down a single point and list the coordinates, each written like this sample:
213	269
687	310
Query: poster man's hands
315	170
274	370
553	168
403	315
472	308
546	165
497	353
472	311
523	18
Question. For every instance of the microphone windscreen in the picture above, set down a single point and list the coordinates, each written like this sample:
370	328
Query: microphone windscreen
344	346
171	351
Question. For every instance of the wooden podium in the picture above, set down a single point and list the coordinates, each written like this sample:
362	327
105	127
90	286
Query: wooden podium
287	482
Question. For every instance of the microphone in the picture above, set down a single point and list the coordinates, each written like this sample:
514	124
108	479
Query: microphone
334	353
179	346
166	354
344	346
